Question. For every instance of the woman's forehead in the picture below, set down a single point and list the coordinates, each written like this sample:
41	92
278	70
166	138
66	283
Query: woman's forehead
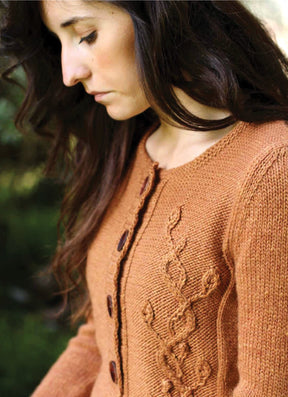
62	13
75	5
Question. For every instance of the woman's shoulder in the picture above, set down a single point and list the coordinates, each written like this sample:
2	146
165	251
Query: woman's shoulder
257	147
269	135
262	147
266	142
261	165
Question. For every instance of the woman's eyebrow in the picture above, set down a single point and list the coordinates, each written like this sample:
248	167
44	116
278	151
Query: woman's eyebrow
73	21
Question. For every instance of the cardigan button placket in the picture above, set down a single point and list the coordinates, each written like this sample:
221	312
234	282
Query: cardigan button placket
124	242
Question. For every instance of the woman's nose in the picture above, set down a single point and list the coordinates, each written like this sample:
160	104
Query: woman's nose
74	69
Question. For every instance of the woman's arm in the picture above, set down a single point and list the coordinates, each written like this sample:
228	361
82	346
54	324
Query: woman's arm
259	245
75	372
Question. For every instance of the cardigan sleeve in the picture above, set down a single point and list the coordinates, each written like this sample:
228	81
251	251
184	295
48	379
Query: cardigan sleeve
75	371
259	242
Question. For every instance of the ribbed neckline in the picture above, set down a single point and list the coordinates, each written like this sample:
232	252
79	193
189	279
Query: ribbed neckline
197	161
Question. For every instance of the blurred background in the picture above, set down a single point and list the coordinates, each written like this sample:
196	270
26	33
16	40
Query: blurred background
31	336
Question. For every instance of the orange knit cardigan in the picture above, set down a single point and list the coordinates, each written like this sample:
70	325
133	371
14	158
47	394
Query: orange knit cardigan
188	278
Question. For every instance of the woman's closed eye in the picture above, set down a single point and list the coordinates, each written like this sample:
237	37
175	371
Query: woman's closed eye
89	39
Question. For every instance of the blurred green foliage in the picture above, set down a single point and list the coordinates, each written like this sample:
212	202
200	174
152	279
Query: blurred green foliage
27	349
31	336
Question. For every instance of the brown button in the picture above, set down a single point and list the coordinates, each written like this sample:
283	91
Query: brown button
113	371
144	186
109	305
122	240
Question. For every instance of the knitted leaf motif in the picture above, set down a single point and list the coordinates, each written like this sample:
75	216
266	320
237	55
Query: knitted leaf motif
175	347
175	286
148	313
184	350
210	281
182	316
166	386
174	218
180	246
203	371
187	393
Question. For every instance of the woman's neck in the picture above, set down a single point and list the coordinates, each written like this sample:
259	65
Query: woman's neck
173	146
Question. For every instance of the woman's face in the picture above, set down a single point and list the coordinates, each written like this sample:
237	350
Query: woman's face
97	41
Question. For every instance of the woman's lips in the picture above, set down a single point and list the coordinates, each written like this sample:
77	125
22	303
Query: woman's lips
98	95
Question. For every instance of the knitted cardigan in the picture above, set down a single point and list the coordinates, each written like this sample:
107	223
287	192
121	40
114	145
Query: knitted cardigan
188	279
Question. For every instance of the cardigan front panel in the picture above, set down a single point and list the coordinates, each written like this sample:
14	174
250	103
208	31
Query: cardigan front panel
168	280
187	277
199	261
175	308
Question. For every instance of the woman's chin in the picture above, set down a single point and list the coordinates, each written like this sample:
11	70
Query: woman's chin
121	113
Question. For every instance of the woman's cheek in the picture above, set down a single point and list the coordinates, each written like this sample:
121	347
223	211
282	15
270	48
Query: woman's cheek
104	60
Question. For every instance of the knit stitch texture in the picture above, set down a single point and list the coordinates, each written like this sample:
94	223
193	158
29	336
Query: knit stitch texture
194	263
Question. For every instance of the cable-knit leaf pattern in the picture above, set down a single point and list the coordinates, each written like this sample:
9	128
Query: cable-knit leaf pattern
148	313
174	349
210	281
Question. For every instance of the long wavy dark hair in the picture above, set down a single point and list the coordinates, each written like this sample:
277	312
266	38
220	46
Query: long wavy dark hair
217	52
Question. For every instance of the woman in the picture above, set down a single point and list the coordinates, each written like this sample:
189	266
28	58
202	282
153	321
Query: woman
176	208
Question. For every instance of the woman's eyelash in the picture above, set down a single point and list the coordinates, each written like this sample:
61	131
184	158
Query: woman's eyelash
89	39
